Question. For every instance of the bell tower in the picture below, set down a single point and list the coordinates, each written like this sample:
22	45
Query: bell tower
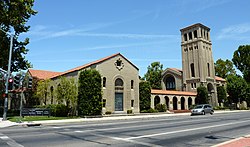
197	60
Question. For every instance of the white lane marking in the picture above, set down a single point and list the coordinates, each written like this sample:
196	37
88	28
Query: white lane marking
126	140
104	124
128	127
78	131
56	127
10	141
186	130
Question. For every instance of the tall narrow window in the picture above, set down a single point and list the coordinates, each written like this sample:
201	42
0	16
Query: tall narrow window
195	34
104	82
185	37
208	70
132	103
192	70
132	84
104	103
190	35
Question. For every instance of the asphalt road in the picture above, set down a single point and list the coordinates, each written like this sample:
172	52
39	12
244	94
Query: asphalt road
178	131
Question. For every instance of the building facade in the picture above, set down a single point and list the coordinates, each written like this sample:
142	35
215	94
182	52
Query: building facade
179	87
120	82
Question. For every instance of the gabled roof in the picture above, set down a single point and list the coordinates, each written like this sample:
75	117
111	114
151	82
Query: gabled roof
94	63
172	92
174	70
42	74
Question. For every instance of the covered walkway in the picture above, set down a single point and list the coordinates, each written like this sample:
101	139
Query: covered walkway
174	100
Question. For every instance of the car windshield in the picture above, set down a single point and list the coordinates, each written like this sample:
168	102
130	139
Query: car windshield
198	107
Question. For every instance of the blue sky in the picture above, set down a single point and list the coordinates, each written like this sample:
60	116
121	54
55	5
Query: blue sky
65	34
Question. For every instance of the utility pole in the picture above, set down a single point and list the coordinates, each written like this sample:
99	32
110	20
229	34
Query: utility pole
7	79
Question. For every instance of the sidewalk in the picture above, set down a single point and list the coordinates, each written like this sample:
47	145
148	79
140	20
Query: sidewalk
238	142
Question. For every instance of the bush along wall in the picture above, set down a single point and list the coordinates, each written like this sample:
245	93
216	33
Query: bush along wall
89	93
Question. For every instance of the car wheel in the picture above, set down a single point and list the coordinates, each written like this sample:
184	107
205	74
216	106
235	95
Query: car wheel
203	113
212	112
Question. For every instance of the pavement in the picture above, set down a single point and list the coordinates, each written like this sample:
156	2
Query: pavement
243	141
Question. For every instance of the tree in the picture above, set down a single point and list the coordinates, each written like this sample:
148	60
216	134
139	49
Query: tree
42	90
67	91
153	75
241	60
90	93
237	89
221	94
202	95
144	95
224	68
14	14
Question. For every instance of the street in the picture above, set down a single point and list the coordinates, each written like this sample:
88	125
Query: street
174	130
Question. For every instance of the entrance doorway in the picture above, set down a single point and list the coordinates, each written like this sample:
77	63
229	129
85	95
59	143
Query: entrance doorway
118	101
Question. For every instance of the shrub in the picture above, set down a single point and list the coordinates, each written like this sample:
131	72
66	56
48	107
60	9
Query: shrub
129	111
161	107
56	109
151	110
108	112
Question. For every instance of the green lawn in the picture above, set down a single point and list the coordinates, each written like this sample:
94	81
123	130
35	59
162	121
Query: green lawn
36	118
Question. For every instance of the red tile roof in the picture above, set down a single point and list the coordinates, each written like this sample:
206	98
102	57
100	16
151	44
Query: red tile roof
93	63
172	92
220	79
176	69
42	74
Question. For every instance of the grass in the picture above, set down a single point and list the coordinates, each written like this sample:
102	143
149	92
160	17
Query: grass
36	118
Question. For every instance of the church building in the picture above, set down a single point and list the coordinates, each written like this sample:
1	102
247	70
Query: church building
180	86
120	77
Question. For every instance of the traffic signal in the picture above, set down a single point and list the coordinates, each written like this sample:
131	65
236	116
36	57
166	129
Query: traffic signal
10	85
16	81
30	83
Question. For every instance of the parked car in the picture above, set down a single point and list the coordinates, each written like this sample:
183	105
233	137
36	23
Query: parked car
202	109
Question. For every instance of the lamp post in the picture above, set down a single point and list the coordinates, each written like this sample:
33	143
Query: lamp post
8	76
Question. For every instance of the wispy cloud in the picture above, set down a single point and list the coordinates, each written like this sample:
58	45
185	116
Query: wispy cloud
43	32
235	32
208	4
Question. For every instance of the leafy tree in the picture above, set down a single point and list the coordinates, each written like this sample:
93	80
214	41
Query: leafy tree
153	75
224	68
90	93
67	91
221	94
144	95
42	90
202	95
237	89
241	60
14	14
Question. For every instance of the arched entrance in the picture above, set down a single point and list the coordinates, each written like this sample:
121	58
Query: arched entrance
167	102
182	103
156	100
118	94
210	89
175	105
189	102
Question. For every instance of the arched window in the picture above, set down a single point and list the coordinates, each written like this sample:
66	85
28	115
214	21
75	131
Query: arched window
170	83
192	70
118	84
132	84
208	70
52	94
104	82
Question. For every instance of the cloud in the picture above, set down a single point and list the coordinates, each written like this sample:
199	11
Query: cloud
235	32
208	4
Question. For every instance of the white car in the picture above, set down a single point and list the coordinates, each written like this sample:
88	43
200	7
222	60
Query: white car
202	109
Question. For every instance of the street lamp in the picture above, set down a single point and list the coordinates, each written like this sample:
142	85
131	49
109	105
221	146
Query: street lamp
8	76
